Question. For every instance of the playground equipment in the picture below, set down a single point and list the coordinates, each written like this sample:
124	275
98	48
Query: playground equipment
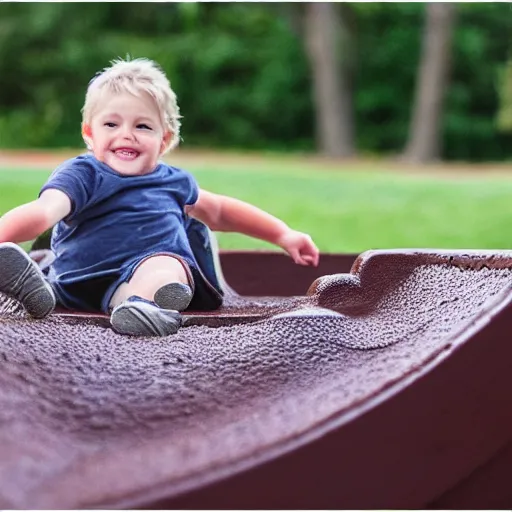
377	381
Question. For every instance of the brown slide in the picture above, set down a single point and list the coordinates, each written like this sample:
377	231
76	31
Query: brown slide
382	381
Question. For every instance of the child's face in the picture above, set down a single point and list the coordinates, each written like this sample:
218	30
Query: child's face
126	133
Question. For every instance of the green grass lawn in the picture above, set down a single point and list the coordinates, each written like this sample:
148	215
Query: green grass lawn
348	211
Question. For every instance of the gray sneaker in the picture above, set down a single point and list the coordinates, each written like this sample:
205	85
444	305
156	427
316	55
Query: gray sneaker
139	317
22	279
175	296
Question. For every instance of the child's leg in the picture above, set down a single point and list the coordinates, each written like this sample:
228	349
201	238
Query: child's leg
21	279
157	281
161	279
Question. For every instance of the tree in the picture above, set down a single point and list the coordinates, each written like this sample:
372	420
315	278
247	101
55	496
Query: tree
328	44
504	115
424	141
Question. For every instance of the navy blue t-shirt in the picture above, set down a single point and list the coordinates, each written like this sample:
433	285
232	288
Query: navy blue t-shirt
116	219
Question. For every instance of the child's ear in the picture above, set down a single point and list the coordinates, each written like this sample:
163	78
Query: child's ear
165	141
86	131
87	135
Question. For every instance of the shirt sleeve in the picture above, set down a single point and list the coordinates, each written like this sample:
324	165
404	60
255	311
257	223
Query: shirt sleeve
76	180
191	189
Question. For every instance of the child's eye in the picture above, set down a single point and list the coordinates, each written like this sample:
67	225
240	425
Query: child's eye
144	126
110	125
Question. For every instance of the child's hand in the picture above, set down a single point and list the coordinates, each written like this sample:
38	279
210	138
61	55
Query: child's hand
300	247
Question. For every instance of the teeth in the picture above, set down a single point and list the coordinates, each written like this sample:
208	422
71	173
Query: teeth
126	153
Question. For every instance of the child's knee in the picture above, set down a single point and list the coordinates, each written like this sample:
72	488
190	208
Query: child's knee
158	271
150	276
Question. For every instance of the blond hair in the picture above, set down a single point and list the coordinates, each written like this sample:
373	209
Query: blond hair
136	76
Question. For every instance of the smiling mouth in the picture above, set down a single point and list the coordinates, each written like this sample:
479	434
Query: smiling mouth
126	154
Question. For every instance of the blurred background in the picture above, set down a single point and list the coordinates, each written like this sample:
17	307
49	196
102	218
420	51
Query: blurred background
368	125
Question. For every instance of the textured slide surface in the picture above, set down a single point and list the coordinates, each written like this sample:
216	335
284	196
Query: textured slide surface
386	386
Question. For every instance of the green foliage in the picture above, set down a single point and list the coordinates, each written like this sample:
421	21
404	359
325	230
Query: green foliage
389	41
482	46
241	73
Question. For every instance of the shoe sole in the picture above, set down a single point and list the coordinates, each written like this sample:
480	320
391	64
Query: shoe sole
21	279
132	320
176	296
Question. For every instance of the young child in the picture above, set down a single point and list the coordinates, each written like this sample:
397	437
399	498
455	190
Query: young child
126	226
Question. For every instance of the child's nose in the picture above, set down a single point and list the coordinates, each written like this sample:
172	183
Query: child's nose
127	133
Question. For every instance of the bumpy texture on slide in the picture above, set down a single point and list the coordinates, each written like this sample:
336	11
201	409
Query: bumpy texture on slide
385	387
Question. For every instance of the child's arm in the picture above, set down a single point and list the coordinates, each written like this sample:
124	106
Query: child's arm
29	220
222	213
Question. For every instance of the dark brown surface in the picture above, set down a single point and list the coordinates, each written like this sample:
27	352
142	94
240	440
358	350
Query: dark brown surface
272	273
385	388
488	487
